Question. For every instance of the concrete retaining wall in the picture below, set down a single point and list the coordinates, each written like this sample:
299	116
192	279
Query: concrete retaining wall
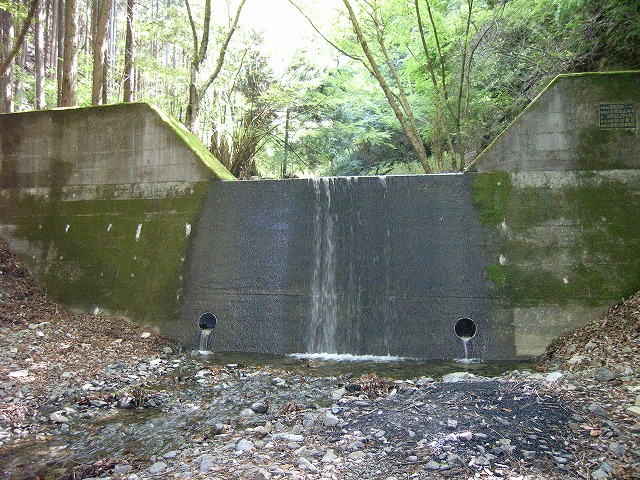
525	255
100	201
406	255
585	121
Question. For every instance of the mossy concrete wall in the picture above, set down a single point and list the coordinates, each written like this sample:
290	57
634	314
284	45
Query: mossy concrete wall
583	121
99	202
565	245
562	194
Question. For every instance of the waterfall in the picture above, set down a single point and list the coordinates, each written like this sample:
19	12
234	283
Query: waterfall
204	339
321	334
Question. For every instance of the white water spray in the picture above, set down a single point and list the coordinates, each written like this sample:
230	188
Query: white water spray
204	340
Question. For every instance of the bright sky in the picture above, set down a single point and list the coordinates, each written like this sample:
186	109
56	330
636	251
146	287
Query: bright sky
285	29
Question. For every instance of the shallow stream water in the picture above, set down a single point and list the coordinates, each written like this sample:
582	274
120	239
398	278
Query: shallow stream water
192	399
393	368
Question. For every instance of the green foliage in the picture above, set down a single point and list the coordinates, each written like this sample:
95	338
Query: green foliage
339	121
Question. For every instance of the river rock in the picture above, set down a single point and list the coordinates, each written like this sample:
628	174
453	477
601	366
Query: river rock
338	394
602	472
58	417
127	402
598	410
554	377
458	377
617	449
330	457
157	467
289	437
305	464
122	469
260	407
330	420
243	445
633	410
603	374
309	419
432	465
262	474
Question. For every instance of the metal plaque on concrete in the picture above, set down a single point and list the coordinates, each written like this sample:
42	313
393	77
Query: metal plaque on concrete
617	115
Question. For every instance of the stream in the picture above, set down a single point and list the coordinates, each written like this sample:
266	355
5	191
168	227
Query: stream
189	399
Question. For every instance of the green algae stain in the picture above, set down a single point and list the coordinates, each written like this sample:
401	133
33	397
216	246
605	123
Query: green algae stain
578	242
497	274
122	255
490	194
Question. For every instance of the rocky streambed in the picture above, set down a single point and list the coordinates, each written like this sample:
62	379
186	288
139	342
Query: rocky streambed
94	397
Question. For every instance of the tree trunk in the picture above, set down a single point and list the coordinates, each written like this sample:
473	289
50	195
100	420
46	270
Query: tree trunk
18	103
47	28
400	110
129	55
60	49
105	80
40	57
7	34
99	52
70	60
285	157
199	56
12	51
193	107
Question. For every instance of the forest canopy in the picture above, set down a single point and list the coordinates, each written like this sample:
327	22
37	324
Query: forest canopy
355	87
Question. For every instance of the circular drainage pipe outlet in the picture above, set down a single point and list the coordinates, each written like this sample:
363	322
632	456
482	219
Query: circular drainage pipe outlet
465	328
207	321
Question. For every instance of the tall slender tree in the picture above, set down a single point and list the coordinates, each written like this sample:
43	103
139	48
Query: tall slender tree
70	60
199	55
100	51
397	98
7	37
59	55
40	56
129	55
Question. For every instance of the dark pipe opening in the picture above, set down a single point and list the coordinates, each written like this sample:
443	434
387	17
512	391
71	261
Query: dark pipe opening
207	321
465	328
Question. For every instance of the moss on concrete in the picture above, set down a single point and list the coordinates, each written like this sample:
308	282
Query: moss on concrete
194	144
577	242
490	193
497	274
88	253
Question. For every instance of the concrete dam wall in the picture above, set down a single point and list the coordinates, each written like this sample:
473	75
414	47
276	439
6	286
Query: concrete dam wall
371	265
347	265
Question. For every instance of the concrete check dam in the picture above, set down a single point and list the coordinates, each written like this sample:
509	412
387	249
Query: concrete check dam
119	209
